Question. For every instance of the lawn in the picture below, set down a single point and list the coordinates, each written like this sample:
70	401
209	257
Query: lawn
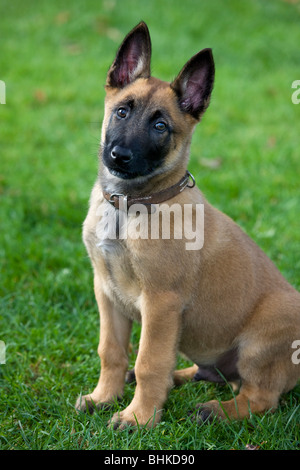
245	157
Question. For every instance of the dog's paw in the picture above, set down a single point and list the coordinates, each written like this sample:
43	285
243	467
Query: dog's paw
130	376
207	412
85	404
133	418
204	414
120	422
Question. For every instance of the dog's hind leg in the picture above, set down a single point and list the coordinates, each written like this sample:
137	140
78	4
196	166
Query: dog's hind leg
183	375
180	376
265	358
250	399
130	376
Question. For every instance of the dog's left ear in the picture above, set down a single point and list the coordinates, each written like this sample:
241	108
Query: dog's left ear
194	83
133	58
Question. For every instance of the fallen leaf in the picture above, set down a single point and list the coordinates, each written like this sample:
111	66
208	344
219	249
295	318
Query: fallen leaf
73	49
109	4
271	141
62	17
114	34
40	96
212	163
251	447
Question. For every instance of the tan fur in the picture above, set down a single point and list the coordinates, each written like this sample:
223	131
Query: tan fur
200	303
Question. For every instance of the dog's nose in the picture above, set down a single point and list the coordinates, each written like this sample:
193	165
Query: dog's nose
121	154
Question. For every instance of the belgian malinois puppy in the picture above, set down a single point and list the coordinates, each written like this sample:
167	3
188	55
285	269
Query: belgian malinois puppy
225	306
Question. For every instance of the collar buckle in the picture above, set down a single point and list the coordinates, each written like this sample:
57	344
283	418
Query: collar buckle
114	195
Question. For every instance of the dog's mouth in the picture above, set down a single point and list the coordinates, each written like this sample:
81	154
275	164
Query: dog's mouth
126	175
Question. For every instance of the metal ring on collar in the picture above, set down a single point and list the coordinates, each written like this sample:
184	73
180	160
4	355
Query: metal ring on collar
193	180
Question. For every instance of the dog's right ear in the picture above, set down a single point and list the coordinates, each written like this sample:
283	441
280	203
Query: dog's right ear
133	58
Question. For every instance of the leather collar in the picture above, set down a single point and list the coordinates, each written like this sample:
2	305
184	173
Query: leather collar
155	198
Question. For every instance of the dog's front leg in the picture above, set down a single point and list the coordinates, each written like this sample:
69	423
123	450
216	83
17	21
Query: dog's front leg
115	331
161	313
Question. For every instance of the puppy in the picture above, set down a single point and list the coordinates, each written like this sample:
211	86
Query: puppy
223	304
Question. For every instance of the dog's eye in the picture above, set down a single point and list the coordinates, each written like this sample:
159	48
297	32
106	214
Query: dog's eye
160	126
122	113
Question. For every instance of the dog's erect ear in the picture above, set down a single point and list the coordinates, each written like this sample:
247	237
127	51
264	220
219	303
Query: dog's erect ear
194	83
133	58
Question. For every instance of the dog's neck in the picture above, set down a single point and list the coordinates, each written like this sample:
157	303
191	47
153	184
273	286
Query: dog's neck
140	186
117	200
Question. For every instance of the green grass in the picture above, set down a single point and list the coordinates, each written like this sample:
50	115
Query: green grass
53	59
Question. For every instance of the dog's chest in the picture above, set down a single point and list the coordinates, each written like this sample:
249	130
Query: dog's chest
114	261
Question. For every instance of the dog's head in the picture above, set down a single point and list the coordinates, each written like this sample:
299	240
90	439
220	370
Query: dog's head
148	123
